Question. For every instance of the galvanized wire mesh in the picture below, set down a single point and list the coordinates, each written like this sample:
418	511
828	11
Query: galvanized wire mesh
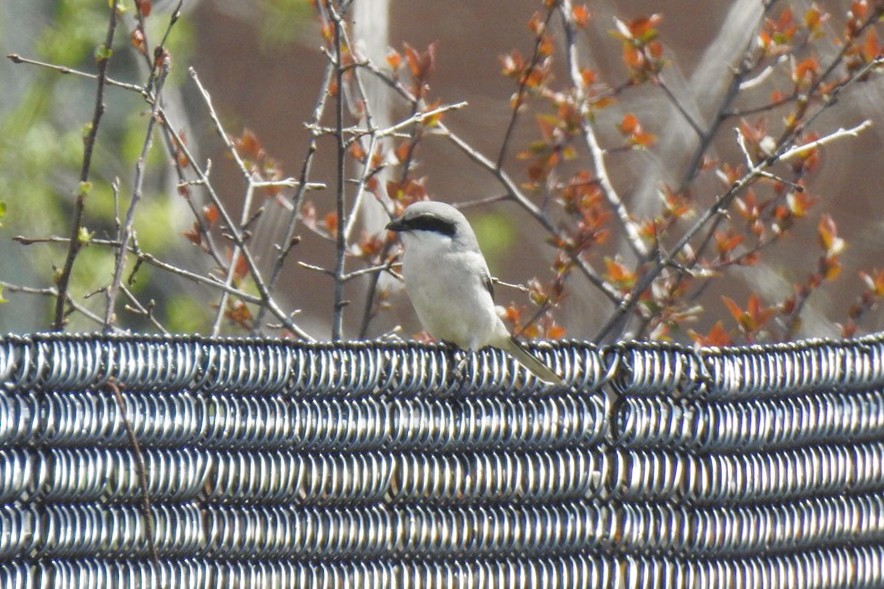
275	464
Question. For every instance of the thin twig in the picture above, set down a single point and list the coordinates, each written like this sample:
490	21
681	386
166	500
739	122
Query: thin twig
747	62
209	280
173	18
629	226
52	292
219	128
140	472
315	268
678	105
61	69
523	89
142	310
249	178
289	239
89	145
149	259
418	117
238	240
713	212
126	229
58	239
386	266
360	187
340	170
799	150
376	269
480	202
519	287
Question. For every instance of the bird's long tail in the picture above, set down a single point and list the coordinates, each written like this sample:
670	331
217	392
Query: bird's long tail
526	359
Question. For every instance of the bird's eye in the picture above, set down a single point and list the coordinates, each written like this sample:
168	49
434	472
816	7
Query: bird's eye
433	224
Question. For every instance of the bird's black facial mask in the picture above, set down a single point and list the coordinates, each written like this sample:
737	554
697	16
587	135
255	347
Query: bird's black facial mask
425	222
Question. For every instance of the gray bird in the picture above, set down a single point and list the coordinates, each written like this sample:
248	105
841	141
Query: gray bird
449	285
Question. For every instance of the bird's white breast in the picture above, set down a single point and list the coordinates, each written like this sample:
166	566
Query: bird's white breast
447	290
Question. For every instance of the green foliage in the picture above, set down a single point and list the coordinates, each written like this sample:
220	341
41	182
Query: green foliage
71	37
574	176
42	133
184	314
155	222
283	21
496	236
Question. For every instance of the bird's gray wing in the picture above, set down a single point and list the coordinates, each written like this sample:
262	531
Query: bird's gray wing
489	284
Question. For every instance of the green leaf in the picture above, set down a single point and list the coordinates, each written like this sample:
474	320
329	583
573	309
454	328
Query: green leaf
2	300
84	236
103	53
2	210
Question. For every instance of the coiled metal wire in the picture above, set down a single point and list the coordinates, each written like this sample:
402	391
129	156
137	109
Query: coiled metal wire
111	574
229	421
837	568
832	417
87	529
144	363
16	474
283	477
19	419
408	532
266	463
94	418
788	369
91	474
16	575
647	368
754	529
483	477
21	531
855	567
784	475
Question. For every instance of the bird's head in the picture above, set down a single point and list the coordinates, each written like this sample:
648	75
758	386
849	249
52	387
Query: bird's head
429	222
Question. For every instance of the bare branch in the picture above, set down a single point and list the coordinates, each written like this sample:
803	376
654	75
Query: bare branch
89	145
738	75
800	150
209	280
140	471
58	239
316	268
52	292
126	229
340	169
678	105
521	92
219	128
418	117
236	236
16	58
630	227
147	312
289	239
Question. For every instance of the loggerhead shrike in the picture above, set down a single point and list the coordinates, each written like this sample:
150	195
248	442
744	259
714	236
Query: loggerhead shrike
449	285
